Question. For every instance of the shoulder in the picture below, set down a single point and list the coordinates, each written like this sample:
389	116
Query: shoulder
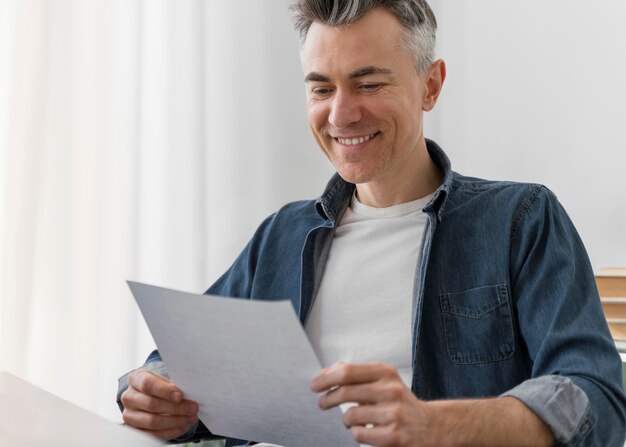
511	200
465	188
462	184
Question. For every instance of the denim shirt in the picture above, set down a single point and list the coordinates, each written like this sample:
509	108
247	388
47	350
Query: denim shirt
505	301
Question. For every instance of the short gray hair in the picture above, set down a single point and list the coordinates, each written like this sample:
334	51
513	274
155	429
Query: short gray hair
415	16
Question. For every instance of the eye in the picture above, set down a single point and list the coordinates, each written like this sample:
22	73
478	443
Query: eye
370	87
321	92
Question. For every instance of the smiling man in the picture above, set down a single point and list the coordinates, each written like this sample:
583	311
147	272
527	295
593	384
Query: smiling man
452	310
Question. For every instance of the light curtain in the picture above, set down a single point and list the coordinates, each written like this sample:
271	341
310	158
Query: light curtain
70	138
138	140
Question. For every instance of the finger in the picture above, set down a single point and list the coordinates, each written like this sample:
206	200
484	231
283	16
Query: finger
360	393
369	414
334	365
366	393
349	373
136	400
156	422
155	385
381	435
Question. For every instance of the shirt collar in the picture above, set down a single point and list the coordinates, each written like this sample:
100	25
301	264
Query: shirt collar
333	202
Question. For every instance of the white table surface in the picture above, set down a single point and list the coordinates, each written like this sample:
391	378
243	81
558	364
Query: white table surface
30	416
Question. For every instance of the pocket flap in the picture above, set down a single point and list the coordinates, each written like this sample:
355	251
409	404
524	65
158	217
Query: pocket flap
475	303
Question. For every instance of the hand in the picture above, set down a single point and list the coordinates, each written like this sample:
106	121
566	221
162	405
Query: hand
387	414
156	406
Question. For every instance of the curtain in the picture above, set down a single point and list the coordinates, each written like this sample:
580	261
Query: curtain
139	140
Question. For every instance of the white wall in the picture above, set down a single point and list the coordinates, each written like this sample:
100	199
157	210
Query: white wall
536	91
255	124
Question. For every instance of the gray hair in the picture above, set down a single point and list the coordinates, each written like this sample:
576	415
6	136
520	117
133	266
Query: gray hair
415	16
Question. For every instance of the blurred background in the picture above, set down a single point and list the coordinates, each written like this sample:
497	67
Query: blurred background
146	140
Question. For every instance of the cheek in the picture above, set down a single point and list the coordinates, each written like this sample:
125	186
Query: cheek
316	115
321	142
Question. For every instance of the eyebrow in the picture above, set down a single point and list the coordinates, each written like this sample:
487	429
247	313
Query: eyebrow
371	69
359	73
316	77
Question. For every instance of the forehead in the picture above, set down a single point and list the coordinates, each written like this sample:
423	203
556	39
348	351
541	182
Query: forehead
375	39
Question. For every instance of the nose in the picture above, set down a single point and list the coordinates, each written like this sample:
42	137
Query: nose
345	110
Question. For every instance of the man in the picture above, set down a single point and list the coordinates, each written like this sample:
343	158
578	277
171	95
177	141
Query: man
453	310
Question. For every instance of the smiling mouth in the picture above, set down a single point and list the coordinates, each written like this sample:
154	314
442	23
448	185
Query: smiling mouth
356	140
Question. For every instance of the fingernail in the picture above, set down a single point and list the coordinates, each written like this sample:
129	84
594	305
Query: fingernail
176	396
320	403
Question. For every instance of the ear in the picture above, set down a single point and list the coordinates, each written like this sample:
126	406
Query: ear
434	83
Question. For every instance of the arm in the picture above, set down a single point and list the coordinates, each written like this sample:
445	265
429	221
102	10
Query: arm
576	379
399	418
575	386
489	422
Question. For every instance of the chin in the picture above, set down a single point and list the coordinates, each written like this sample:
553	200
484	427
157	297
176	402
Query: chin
361	171
354	177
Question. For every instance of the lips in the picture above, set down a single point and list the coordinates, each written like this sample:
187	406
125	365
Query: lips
352	141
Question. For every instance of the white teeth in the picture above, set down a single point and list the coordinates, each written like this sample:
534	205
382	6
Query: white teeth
353	141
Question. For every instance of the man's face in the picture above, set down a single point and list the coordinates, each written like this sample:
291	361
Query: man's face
365	100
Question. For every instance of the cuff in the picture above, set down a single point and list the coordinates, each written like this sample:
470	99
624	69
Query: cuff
559	403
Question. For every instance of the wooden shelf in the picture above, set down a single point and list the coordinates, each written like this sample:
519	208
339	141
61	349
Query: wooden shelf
612	288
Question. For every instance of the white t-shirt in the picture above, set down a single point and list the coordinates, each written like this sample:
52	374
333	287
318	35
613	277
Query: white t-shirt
362	311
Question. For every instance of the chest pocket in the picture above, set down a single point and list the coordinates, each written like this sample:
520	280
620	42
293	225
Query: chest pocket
478	325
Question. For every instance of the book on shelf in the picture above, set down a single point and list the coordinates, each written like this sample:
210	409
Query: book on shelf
612	271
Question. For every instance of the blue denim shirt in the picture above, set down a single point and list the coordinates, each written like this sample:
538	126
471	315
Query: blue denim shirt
505	302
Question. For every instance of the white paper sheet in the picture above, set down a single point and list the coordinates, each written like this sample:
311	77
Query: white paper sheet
247	363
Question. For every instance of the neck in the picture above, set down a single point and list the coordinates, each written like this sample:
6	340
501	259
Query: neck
412	180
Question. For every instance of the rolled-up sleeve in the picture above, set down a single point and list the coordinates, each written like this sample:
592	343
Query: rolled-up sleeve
562	405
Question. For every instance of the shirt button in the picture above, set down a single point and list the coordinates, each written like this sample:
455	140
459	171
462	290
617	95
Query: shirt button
585	427
505	349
